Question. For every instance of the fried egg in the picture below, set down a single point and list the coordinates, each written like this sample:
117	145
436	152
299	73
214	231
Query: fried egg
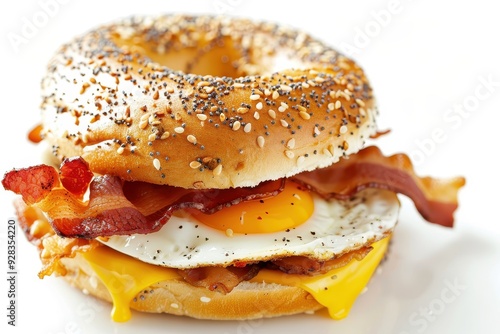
294	223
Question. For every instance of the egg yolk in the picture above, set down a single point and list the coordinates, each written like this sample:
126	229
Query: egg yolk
290	208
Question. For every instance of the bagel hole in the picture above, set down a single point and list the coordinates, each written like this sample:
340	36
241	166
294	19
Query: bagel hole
220	57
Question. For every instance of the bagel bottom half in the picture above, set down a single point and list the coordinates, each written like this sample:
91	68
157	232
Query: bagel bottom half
249	300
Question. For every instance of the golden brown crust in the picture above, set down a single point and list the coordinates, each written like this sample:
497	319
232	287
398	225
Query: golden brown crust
277	102
248	300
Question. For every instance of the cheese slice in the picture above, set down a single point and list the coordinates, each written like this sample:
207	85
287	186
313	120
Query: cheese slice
337	290
125	277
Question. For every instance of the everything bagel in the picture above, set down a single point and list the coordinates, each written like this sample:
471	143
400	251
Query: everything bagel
204	102
214	168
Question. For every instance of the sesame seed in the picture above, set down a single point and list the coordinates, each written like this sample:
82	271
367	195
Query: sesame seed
304	115
256	115
289	154
331	106
205	299
284	123
156	164
267	92
236	125
259	106
301	108
331	149
229	232
254	97
300	161
222	117
203	83
179	129
343	129
191	139
201	117
84	87
120	150
143	125
242	110
338	104
291	143
194	164
275	95
261	141
152	137
361	103
286	88
248	127
362	111
272	113
238	85
217	170
174	305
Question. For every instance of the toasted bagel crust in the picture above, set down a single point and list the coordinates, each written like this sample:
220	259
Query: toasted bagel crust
204	102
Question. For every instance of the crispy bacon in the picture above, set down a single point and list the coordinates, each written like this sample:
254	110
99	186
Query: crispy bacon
121	208
435	199
303	265
76	175
219	279
110	212
33	183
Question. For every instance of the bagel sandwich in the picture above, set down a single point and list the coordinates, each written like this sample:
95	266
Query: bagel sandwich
215	168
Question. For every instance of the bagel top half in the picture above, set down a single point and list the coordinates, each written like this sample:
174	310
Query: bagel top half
204	102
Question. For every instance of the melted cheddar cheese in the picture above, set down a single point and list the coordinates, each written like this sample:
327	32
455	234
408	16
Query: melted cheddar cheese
125	277
338	289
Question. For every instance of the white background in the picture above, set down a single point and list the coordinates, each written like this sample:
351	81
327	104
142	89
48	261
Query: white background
426	61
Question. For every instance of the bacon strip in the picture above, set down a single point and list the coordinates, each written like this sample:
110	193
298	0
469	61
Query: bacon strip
219	279
109	212
435	199
33	183
303	265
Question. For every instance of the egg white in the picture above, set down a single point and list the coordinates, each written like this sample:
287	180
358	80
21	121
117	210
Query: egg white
334	228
